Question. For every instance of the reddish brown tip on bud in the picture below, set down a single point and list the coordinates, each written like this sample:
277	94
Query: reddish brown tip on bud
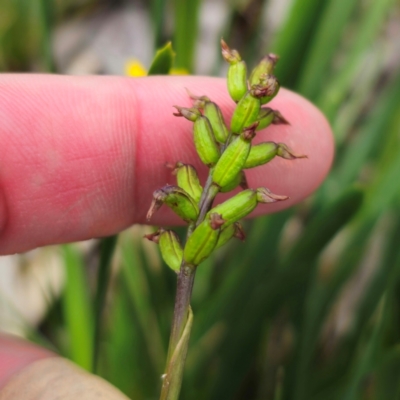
250	131
279	119
189	113
158	199
264	195
285	152
267	87
239	232
230	55
216	221
199	99
274	58
155	236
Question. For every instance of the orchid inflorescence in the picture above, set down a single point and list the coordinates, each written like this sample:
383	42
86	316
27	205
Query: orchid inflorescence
227	153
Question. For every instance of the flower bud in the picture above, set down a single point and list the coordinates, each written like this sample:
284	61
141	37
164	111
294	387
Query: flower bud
237	72
246	113
233	230
187	179
170	247
264	67
203	240
242	204
177	199
233	158
203	135
269	116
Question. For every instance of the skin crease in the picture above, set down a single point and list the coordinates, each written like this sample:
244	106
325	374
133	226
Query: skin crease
81	156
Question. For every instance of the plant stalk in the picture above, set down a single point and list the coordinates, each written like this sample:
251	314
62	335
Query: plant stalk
182	320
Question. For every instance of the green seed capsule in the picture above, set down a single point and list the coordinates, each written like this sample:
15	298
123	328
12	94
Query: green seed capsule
204	141
177	199
203	135
261	154
203	240
239	180
246	113
264	67
233	158
242	204
237	72
233	230
188	180
214	115
171	249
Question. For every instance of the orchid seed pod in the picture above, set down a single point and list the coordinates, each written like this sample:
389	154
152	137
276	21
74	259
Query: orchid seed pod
261	154
177	199
233	230
214	115
203	240
264	67
233	158
237	72
188	180
239	180
242	204
170	247
246	112
203	135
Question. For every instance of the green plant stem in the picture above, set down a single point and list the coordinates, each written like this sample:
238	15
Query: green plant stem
180	332
207	203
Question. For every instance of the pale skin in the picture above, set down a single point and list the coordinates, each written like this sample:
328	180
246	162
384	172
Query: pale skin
81	156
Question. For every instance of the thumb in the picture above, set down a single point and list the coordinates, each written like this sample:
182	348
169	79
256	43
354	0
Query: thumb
28	372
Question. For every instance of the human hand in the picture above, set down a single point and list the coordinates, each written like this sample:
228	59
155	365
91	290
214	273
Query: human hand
81	156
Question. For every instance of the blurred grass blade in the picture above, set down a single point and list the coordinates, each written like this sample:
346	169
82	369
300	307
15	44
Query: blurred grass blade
162	61
47	20
368	28
107	247
370	137
323	227
140	297
186	29
158	13
324	45
292	40
77	308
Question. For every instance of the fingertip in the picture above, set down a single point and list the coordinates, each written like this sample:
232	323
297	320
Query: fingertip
16	354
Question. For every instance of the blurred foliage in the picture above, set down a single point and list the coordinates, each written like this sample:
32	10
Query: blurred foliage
309	307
